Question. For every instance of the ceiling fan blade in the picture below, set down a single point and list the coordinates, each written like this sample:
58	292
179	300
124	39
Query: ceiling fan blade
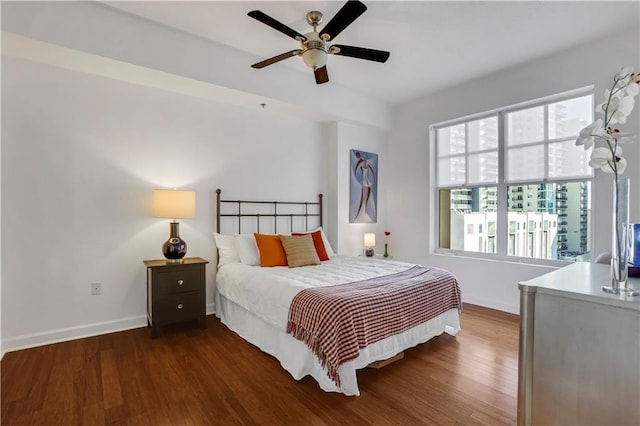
275	59
345	16
360	53
322	76
276	25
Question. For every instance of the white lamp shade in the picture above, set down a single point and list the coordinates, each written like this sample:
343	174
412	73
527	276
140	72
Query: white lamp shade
369	240
174	204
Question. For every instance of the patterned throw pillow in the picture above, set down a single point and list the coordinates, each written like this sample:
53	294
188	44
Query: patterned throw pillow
300	250
317	242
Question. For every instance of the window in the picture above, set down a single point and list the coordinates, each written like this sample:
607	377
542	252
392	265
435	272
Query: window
517	175
560	219
467	209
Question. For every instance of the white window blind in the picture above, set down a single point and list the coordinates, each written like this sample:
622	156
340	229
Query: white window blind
468	153
540	141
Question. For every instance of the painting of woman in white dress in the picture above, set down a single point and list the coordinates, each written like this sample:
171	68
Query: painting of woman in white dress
363	206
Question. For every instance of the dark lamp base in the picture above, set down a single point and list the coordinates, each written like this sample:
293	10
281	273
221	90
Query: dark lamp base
175	248
368	252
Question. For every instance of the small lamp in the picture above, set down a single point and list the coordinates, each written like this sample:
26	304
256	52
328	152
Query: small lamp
369	244
174	205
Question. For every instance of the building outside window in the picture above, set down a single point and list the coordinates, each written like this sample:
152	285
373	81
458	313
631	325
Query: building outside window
516	180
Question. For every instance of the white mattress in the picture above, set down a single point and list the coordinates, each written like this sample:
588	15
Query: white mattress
254	302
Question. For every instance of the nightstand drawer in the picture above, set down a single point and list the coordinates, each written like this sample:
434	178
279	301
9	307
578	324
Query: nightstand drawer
178	307
179	281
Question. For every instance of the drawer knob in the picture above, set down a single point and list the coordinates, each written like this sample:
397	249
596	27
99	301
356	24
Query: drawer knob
180	282
180	306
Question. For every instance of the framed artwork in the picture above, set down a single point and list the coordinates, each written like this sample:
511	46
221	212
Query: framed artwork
363	191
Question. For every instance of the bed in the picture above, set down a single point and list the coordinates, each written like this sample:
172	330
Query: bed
267	306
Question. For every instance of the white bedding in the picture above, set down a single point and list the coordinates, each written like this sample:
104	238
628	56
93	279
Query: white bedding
254	302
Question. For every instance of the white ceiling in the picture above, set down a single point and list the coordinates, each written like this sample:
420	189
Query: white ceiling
433	44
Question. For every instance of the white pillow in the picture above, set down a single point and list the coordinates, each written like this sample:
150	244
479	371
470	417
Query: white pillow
247	249
227	252
325	241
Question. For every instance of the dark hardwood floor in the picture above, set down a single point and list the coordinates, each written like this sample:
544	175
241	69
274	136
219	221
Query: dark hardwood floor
197	377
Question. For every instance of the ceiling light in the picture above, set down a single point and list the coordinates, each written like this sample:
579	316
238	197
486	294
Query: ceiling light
314	58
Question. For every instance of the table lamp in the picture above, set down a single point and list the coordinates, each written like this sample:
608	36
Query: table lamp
369	244
174	205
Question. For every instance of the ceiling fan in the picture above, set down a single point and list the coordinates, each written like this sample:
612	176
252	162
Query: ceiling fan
315	45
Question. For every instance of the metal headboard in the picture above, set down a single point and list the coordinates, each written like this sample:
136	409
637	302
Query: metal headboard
308	209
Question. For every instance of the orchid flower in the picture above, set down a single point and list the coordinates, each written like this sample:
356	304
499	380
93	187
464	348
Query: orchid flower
618	137
620	108
633	89
627	78
587	134
602	158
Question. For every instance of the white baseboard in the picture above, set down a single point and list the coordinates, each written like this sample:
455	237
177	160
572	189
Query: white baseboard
492	303
72	333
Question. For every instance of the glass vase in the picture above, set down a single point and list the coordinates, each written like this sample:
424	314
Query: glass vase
386	251
620	238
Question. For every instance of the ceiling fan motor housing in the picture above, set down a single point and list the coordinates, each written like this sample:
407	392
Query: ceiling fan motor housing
314	50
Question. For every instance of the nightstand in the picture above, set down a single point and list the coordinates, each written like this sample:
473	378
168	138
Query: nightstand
176	292
377	256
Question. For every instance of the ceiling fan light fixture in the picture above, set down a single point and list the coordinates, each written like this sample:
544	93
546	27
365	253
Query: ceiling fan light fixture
314	58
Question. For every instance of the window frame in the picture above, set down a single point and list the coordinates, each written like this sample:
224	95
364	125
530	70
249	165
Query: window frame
502	223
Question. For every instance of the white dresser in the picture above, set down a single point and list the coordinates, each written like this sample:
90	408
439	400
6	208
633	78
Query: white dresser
579	361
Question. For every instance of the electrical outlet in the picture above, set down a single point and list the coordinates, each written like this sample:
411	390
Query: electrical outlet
96	289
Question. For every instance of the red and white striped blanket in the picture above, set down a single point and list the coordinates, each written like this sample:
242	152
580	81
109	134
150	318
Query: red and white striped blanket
337	321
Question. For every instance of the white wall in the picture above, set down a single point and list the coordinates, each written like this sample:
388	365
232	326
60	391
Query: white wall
411	204
1	347
343	138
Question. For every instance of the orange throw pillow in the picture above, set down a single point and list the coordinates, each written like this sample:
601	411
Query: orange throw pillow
317	242
271	250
